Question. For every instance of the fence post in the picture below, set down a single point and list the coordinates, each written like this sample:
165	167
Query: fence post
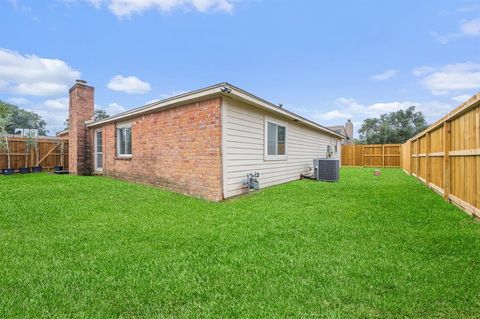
353	155
417	161
62	150
477	144
446	160
411	157
427	160
383	155
400	159
363	155
32	155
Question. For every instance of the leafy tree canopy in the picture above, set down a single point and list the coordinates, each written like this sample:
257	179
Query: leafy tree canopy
21	118
392	128
100	115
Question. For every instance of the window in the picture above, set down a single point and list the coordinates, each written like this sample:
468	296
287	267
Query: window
276	148
98	150
124	140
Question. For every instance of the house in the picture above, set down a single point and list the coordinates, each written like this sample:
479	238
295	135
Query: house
202	143
346	130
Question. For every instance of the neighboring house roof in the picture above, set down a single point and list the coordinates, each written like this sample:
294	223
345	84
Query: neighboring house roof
221	89
340	129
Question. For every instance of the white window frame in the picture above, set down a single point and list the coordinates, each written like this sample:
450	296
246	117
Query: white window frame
98	169
117	139
275	157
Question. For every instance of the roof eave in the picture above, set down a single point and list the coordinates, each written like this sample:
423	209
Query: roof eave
161	105
222	89
252	99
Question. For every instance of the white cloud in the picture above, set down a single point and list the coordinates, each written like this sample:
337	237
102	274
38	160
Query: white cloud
433	110
115	108
171	94
32	75
53	111
112	108
388	107
96	3
388	74
461	98
332	115
422	70
469	8
451	78
127	8
128	84
348	108
467	29
471	28
57	104
19	101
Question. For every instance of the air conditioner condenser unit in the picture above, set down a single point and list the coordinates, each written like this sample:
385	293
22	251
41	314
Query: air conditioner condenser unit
326	169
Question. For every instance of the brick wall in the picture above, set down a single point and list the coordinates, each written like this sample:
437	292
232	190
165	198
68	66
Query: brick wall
178	149
80	110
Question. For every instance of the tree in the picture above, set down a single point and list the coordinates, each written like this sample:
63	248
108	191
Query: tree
5	121
66	124
392	128
21	118
100	115
97	116
357	141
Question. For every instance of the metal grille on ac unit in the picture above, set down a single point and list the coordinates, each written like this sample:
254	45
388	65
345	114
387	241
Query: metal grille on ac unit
326	169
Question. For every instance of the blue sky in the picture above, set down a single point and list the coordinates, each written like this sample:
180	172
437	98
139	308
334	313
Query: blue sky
326	60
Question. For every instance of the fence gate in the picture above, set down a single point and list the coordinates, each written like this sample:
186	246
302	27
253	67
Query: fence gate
50	152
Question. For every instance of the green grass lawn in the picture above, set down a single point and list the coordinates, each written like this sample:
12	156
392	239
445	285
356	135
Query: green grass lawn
364	247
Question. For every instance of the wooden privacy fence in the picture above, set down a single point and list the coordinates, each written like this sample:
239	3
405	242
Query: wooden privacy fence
51	152
446	156
381	155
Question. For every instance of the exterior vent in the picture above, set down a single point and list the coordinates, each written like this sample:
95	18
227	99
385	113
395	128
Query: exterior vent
326	169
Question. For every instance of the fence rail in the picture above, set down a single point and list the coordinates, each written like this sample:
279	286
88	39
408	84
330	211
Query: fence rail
379	155
51	152
446	156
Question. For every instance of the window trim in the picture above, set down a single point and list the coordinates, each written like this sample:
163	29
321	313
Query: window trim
275	157
117	139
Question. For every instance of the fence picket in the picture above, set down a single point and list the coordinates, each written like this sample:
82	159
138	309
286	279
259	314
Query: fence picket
378	155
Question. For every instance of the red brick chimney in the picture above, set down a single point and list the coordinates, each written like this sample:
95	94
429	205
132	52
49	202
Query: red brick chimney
80	110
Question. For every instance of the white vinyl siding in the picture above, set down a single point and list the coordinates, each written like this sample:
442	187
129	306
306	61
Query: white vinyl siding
245	150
